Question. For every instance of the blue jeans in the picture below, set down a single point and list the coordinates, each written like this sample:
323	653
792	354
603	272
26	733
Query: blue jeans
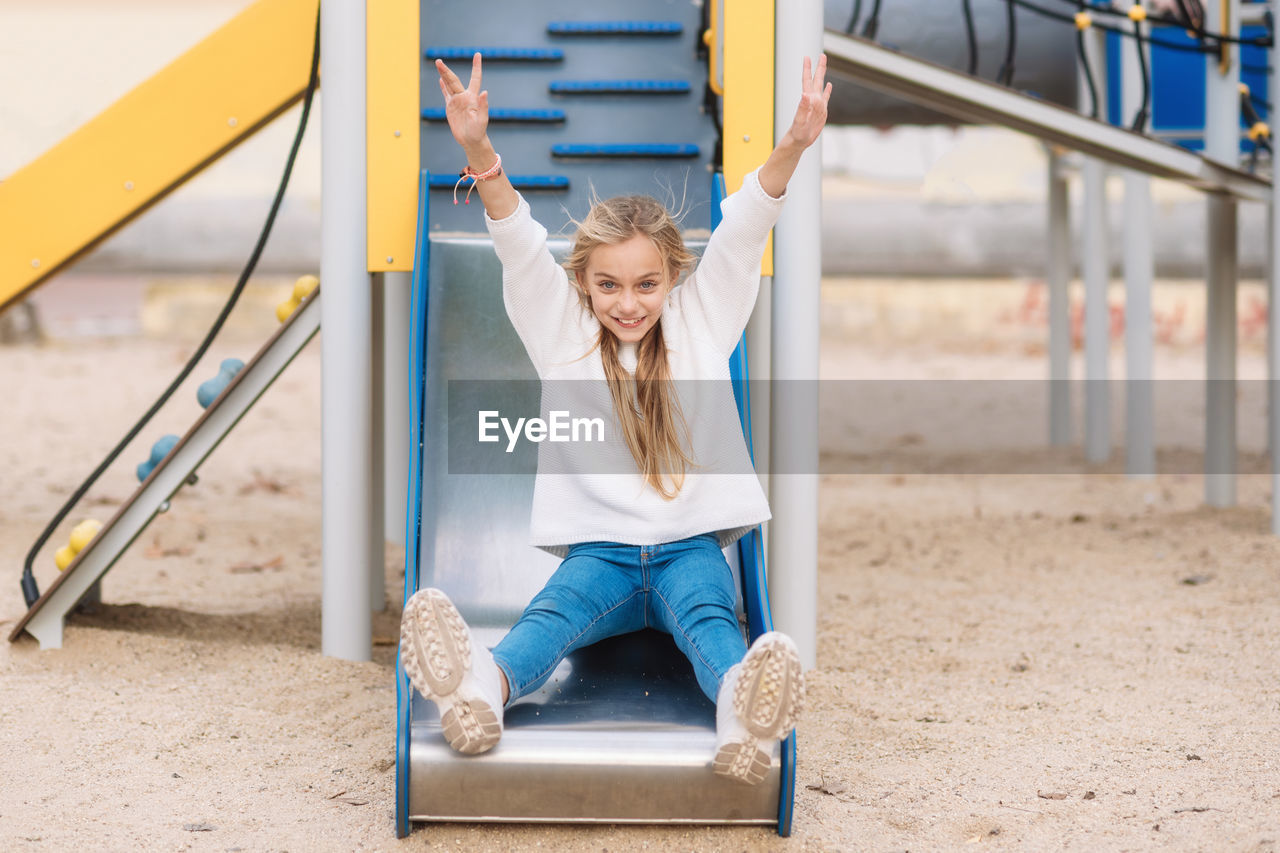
603	589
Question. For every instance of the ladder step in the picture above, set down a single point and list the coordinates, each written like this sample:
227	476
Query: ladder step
615	28
625	151
496	54
530	116
520	182
620	87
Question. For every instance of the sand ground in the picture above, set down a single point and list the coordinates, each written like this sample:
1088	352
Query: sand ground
1009	659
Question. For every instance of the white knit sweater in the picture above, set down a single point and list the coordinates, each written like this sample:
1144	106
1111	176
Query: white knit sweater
596	493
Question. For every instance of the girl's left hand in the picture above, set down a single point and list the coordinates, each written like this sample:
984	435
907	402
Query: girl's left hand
811	114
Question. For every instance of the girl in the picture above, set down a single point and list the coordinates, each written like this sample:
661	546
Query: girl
641	549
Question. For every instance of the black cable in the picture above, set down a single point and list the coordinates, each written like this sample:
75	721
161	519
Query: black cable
973	37
1144	111
1005	75
853	19
1088	74
1148	38
30	591
1201	33
872	26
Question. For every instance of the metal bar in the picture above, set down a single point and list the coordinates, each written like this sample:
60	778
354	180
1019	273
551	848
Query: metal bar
377	447
397	311
346	440
982	102
1222	143
1097	276
1059	281
1139	272
793	556
45	619
1273	317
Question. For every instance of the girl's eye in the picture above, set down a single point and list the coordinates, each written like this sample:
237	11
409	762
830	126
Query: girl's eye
606	285
649	285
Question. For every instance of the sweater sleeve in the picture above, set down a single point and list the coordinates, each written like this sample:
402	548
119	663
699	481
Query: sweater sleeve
719	296
541	303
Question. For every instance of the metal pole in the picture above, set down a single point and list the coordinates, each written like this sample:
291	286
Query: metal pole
1059	282
1096	274
346	346
377	449
793	563
395	400
1222	142
1273	311
1139	272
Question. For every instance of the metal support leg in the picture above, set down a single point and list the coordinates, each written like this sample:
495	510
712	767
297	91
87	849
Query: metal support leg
395	400
346	622
377	450
1140	451
1059	281
793	552
1097	315
1139	273
1220	355
1222	143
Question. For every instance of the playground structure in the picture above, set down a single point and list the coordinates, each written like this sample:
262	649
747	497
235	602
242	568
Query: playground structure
379	220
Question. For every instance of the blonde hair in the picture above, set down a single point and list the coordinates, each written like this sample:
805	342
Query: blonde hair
646	405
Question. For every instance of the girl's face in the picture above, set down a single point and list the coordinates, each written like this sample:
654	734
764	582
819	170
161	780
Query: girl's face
627	283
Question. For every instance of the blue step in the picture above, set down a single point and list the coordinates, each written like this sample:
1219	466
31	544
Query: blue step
615	28
625	151
496	54
532	116
520	182
620	87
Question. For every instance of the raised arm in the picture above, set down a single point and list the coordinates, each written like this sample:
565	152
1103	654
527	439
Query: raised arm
467	109
811	117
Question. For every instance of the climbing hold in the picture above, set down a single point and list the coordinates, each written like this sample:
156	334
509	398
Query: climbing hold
209	391
301	290
159	451
1137	13
1260	130
1083	20
1244	90
81	535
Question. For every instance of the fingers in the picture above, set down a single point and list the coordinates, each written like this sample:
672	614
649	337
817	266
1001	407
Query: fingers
812	80
474	84
820	75
449	81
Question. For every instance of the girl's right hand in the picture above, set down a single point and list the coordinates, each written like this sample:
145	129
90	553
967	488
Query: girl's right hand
466	107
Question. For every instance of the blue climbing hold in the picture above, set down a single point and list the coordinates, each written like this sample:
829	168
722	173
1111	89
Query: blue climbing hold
159	451
209	391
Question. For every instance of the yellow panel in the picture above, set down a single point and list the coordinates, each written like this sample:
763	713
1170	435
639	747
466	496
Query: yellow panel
153	139
748	94
393	66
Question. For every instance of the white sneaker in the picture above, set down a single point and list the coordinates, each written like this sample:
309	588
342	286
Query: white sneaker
759	702
447	666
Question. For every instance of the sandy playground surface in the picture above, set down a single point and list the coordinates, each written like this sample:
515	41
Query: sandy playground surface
1017	661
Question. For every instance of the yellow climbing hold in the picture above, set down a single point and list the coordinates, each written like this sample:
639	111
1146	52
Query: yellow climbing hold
1083	20
81	535
1260	130
1244	90
301	290
1137	13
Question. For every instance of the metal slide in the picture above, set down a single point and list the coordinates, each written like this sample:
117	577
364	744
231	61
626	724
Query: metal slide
620	733
46	618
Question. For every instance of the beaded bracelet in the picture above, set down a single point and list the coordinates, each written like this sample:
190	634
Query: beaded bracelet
493	171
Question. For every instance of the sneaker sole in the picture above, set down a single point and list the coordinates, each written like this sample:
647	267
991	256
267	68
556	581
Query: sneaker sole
769	694
437	642
744	761
471	727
